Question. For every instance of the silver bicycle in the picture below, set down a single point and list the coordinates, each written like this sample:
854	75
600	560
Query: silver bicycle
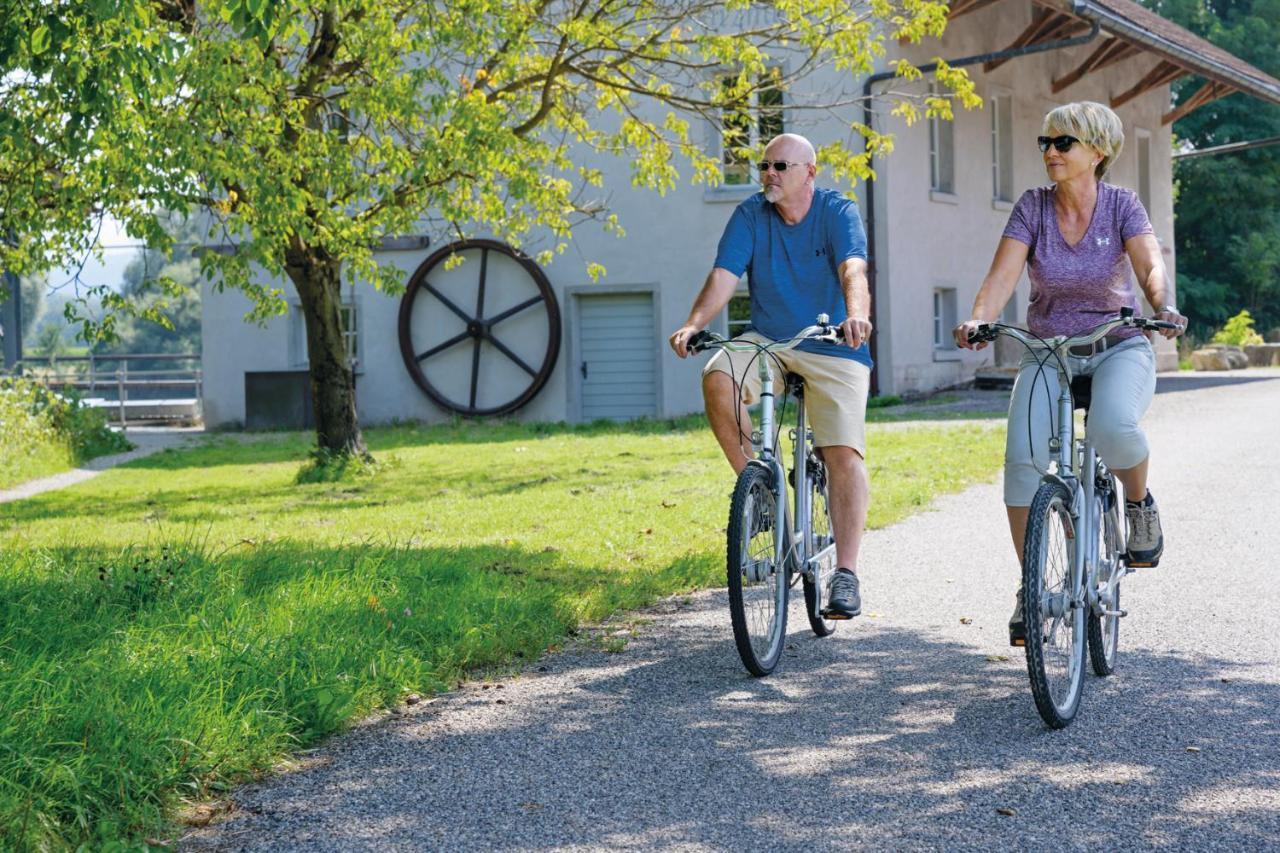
769	546
1074	550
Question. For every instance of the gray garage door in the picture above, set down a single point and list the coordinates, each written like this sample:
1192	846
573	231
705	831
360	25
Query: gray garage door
617	356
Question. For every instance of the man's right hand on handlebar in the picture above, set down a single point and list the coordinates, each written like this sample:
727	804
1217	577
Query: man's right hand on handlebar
679	339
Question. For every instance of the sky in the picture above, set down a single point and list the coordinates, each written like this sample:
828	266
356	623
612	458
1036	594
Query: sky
118	250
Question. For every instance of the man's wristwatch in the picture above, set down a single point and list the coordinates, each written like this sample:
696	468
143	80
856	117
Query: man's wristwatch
1169	309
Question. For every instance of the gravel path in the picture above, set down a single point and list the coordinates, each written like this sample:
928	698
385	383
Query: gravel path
910	728
148	440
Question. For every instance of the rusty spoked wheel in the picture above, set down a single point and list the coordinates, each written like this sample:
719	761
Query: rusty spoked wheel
480	338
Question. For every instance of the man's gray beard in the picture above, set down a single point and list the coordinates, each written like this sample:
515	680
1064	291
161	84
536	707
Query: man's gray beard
772	194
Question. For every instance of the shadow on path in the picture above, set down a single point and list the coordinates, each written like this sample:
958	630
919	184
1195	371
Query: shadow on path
879	736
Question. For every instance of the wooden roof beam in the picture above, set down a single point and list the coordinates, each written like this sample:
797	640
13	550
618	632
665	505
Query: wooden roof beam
1164	72
1207	93
1109	52
964	7
1046	26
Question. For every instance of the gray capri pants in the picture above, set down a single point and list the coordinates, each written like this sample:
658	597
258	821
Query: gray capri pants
1124	381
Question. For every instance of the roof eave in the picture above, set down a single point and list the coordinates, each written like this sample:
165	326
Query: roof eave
1202	65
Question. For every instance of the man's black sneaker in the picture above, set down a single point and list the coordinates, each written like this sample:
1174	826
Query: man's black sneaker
1146	540
1018	623
843	600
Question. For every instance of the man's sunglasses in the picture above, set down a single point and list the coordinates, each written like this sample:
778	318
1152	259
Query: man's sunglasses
1062	143
776	165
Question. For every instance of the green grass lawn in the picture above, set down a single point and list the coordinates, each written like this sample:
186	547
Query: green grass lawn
176	625
42	433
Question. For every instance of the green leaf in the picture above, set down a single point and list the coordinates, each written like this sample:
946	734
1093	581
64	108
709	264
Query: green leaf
40	40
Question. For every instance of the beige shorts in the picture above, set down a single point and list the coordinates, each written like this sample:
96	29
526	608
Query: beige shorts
835	389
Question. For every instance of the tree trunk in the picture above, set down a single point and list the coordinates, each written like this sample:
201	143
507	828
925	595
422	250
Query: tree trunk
317	277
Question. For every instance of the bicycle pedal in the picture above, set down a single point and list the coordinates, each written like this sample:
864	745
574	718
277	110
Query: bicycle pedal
1143	565
1115	613
1020	642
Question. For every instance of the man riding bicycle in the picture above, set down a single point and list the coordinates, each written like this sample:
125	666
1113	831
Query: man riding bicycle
804	251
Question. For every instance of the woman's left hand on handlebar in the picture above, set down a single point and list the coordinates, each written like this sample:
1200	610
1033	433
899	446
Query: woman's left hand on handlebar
1171	317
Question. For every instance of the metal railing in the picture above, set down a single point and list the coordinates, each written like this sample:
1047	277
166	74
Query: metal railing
137	391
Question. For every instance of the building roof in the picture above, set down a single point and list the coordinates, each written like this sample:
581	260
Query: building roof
1152	33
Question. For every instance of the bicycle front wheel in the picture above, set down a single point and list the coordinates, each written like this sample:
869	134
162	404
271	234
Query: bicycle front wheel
820	537
1053	609
758	585
1104	629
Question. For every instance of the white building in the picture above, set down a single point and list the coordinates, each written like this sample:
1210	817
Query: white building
934	215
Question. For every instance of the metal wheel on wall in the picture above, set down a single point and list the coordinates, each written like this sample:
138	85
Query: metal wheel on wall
492	359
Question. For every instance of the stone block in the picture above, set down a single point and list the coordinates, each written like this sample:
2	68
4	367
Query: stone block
1210	359
1263	355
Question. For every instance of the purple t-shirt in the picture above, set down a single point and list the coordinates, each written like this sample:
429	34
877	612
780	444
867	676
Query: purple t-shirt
1074	288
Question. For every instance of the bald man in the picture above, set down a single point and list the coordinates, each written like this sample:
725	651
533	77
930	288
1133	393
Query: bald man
804	251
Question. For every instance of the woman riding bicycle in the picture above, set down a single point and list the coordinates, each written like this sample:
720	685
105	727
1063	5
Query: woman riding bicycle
1078	239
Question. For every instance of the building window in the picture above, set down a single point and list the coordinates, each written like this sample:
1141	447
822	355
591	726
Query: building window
942	154
1002	147
1144	169
944	317
739	313
745	130
348	316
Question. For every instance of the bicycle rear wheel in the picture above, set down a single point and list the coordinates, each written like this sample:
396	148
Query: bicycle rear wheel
1054	613
1104	630
758	586
820	536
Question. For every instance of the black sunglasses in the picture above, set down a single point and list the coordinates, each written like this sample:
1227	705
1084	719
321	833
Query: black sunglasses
1062	143
778	165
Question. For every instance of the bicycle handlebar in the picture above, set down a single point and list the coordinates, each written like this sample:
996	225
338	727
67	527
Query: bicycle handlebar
986	332
820	331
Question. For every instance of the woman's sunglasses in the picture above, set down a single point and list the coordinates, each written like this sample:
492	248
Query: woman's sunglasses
1062	143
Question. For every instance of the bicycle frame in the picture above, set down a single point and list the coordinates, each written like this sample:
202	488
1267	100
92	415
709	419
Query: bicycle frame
1076	465
791	549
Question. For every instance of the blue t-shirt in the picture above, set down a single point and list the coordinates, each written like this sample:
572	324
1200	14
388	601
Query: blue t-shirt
792	269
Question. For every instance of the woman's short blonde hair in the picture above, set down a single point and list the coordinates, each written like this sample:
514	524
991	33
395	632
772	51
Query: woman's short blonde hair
1093	124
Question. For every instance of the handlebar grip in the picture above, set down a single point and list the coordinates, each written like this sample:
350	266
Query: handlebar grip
699	341
1160	324
983	333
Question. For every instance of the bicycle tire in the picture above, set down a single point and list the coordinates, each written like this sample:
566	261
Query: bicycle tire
758	585
820	536
1055	626
1104	631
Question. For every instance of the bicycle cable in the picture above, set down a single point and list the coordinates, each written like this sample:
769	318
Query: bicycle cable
1050	352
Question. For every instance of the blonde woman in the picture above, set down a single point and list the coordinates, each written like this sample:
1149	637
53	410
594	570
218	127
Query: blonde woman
1080	239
